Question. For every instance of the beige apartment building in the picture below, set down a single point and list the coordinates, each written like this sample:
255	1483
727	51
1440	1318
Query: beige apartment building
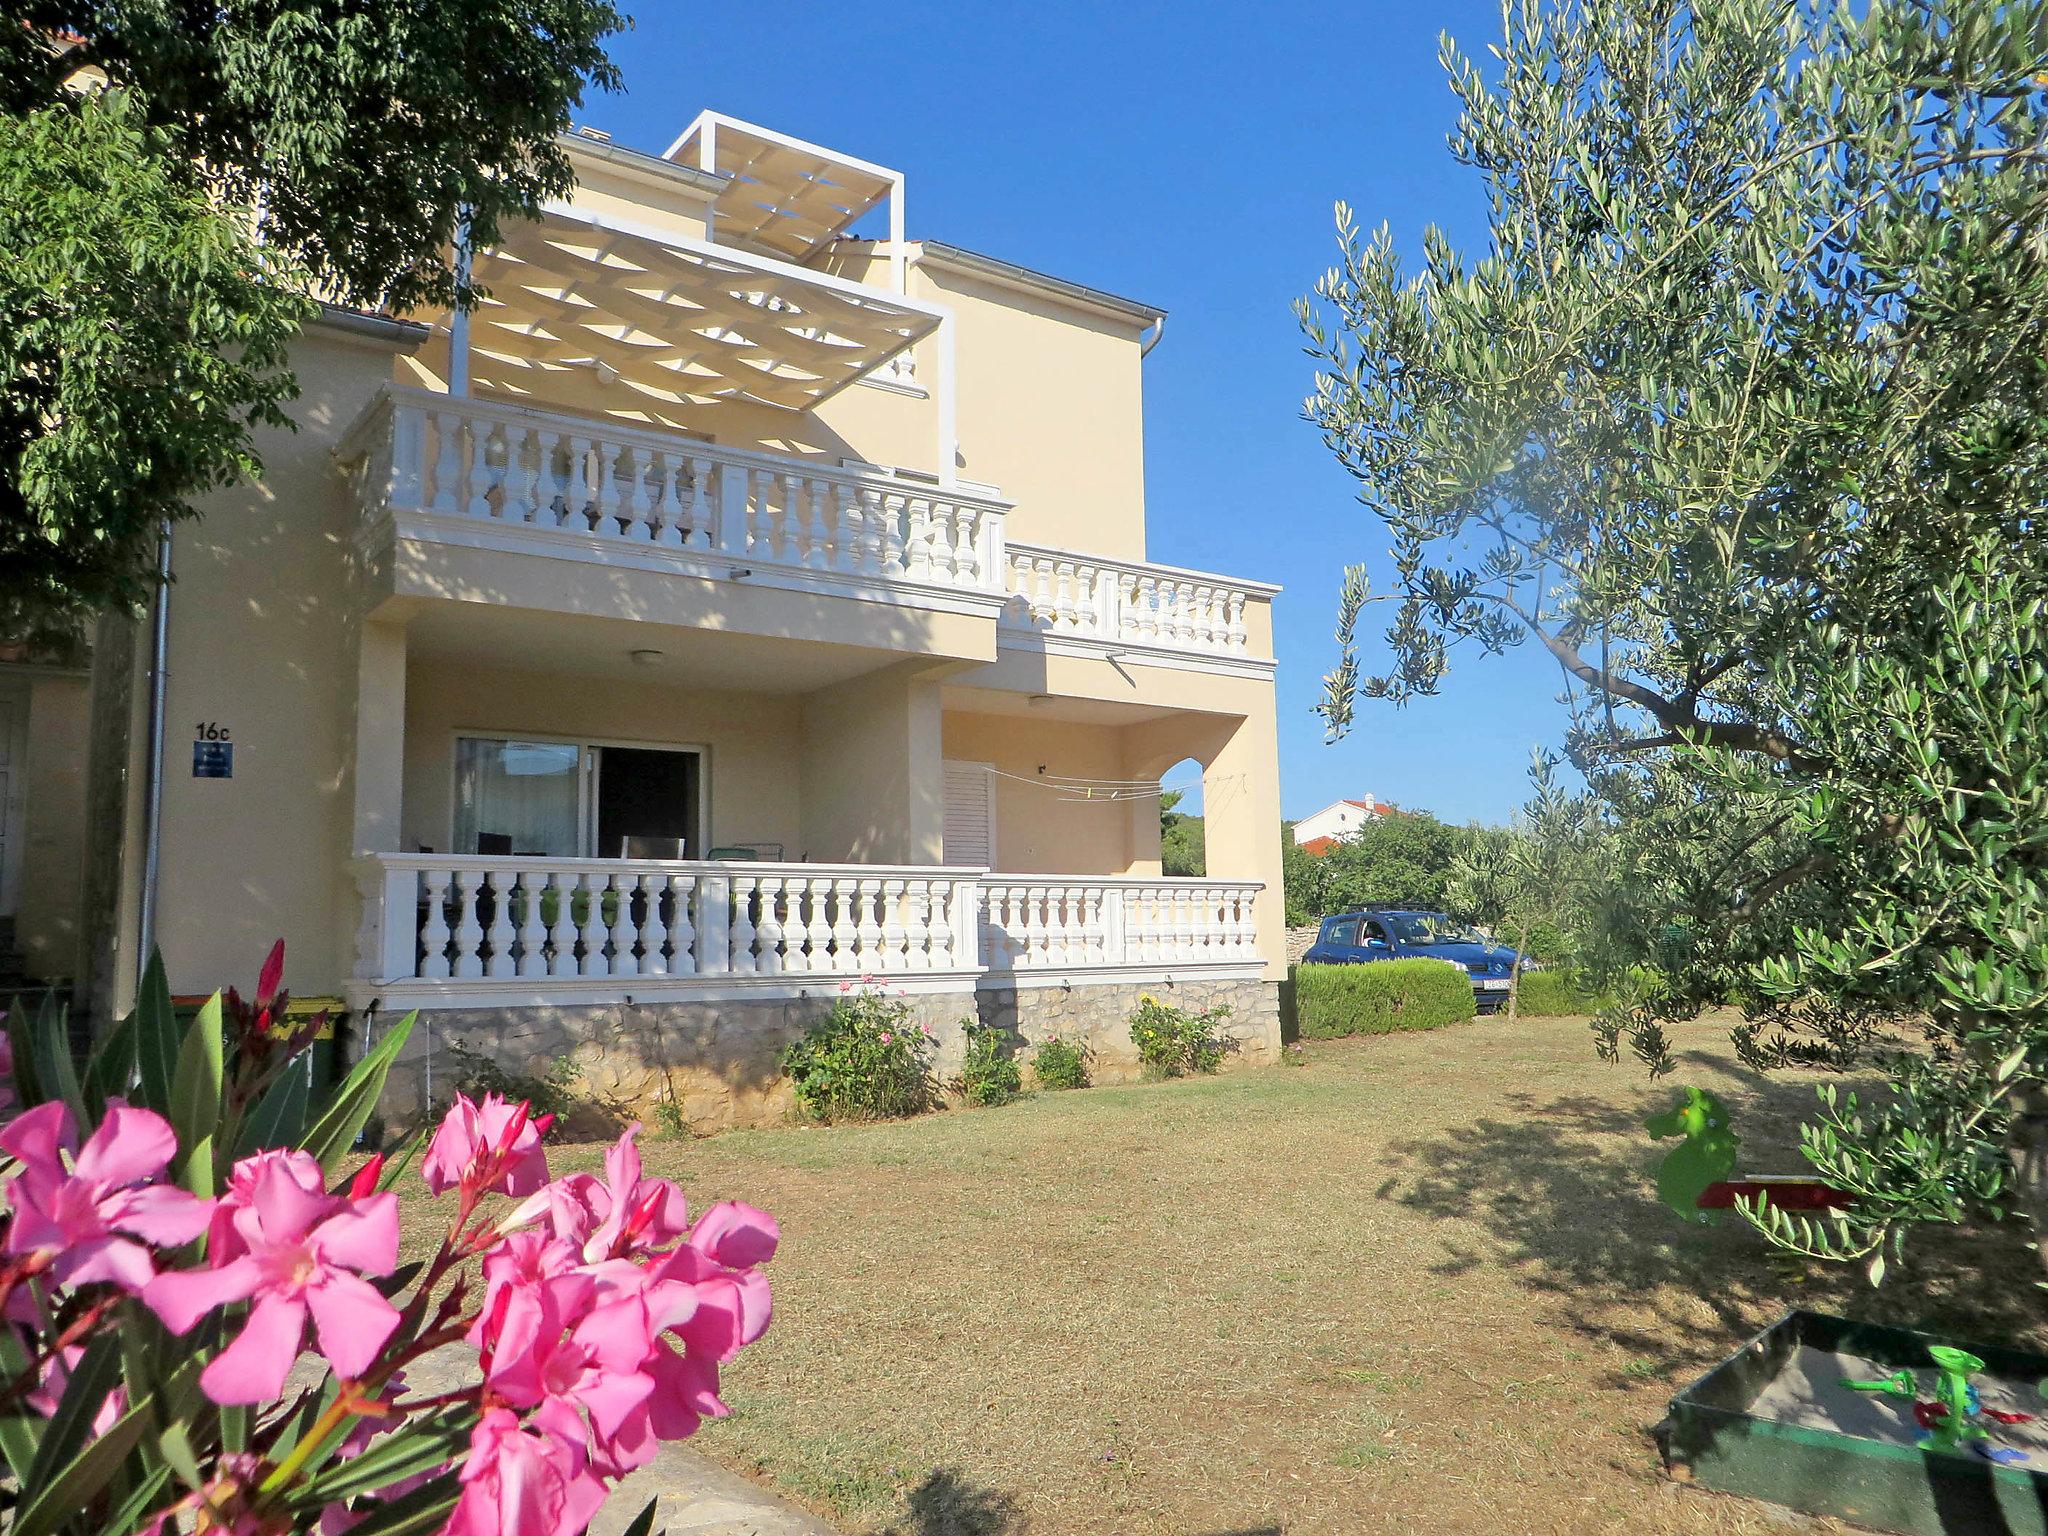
733	607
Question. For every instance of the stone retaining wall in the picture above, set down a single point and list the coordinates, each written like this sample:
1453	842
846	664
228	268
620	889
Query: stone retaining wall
718	1061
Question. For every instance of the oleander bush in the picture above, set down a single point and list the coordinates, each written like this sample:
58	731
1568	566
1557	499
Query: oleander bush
1175	1043
1380	998
990	1074
866	1060
1060	1064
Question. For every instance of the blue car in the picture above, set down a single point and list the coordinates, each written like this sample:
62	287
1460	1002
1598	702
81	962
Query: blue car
1353	938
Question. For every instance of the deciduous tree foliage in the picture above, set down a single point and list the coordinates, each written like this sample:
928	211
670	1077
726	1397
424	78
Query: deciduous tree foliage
1741	417
351	140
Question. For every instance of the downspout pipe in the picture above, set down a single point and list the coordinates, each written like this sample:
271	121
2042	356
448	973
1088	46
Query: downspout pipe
153	783
1153	332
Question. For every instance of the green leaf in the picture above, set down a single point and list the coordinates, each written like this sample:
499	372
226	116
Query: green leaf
21	1041
48	1505
331	1137
55	1072
414	1514
111	1072
195	1098
97	1373
19	1432
643	1523
155	1023
280	1115
424	1443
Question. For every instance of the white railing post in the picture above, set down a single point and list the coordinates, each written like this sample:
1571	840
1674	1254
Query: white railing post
732	531
964	910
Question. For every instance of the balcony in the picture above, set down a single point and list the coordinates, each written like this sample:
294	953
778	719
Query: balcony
462	472
511	931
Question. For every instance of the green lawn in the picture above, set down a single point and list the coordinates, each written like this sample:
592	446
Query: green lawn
1418	1284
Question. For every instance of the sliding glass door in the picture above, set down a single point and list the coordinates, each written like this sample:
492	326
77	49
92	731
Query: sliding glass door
567	799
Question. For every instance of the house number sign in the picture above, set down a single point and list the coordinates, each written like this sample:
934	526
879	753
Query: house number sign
213	753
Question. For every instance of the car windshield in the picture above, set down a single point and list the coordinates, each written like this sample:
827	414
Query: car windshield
1433	928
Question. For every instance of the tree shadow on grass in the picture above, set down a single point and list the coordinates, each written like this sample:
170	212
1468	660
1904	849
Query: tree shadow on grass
947	1504
1562	1190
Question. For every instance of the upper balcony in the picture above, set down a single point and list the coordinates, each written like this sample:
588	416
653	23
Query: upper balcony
647	401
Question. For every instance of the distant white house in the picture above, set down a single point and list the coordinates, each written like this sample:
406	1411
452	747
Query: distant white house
1338	819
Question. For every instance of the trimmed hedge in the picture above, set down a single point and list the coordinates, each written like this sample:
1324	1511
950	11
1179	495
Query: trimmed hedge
1379	997
1548	994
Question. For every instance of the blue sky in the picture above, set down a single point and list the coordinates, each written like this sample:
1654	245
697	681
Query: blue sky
1187	156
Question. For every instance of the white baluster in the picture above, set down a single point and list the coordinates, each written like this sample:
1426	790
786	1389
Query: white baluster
542	494
623	930
869	513
652	961
966	546
917	932
762	544
770	931
939	542
917	556
895	511
792	543
1092	933
499	882
1033	947
606	457
817	925
636	515
1237	630
937	915
895	936
743	957
844	933
817	556
477	469
562	932
868	933
447	463
699	534
434	932
469	933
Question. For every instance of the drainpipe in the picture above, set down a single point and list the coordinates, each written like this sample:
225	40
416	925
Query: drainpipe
153	793
1156	330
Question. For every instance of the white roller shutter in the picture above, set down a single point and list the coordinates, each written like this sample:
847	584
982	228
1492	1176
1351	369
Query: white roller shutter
970	815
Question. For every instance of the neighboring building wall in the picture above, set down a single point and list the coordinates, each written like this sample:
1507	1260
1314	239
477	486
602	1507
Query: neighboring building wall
1333	821
47	923
260	646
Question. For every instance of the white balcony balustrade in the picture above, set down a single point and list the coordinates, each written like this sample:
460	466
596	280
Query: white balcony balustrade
1059	592
512	466
570	920
440	926
1078	923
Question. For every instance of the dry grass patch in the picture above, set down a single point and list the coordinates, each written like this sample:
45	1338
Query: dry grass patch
1418	1285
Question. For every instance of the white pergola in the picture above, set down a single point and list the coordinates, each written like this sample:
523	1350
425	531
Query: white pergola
785	196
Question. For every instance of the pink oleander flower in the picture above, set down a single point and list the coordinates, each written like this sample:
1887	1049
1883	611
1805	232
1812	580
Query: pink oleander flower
84	1206
619	1214
521	1483
295	1251
55	1378
487	1147
567	1346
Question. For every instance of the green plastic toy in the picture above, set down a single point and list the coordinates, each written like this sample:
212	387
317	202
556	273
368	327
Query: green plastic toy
1899	1384
1706	1155
1953	1369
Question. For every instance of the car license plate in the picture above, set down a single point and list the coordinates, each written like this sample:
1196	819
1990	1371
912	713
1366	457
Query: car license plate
1492	984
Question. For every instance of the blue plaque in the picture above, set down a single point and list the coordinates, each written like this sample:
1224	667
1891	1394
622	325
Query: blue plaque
213	759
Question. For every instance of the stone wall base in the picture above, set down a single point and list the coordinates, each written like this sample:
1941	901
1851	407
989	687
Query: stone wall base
718	1062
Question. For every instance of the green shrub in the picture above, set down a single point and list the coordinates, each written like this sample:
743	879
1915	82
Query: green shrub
1549	994
1173	1042
1060	1064
863	1061
1380	997
990	1075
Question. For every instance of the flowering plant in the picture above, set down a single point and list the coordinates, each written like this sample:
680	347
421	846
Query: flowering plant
865	1060
204	1324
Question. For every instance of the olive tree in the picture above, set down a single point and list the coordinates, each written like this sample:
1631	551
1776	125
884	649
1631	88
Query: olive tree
1742	417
